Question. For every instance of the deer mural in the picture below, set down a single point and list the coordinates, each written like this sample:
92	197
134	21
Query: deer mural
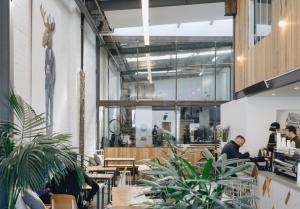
49	67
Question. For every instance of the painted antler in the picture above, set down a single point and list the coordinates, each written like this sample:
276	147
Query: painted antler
48	21
43	13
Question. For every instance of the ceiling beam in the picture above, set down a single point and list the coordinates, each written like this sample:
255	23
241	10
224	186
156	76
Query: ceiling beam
170	47
111	5
158	103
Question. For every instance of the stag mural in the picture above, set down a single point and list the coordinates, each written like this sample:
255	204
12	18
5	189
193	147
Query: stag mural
49	67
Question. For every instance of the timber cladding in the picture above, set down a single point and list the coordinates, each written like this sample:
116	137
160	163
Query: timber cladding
276	54
150	153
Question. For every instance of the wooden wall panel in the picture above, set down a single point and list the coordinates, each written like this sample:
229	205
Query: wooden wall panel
276	54
150	153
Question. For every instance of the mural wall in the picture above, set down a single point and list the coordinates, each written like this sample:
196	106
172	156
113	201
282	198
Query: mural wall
47	64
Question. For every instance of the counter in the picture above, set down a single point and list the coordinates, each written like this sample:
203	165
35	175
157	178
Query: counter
142	153
281	193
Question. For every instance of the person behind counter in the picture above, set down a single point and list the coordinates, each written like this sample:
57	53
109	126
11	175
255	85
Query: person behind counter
232	148
292	135
272	138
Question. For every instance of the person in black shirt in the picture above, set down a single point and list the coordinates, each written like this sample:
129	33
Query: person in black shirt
272	138
70	185
232	148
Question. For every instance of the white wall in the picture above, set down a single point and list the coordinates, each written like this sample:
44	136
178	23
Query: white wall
29	56
158	118
103	92
90	127
252	116
21	10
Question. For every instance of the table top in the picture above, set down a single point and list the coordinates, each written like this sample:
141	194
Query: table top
127	207
101	168
100	176
127	196
143	168
119	159
88	187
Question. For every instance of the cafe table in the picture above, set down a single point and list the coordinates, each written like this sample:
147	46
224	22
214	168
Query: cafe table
131	160
104	178
105	170
128	197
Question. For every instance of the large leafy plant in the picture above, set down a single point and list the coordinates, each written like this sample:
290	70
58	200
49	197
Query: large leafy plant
182	185
29	158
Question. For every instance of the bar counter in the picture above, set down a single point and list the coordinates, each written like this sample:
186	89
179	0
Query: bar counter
142	153
281	192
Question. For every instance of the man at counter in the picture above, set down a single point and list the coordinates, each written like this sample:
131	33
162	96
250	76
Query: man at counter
292	135
232	148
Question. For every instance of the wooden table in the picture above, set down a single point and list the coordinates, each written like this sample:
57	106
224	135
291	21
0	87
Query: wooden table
126	196
132	160
106	178
105	170
100	168
128	207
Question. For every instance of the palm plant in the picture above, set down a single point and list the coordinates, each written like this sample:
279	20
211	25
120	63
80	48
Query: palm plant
182	185
29	158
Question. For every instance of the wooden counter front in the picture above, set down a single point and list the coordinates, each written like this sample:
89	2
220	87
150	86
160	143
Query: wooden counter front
140	153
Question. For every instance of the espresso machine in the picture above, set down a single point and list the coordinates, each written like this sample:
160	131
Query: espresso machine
285	161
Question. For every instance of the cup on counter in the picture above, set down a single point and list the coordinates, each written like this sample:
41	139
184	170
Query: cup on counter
288	144
283	142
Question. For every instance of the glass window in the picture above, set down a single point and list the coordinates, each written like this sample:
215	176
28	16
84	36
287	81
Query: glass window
139	126
260	20
196	124
223	73
114	80
119	130
196	74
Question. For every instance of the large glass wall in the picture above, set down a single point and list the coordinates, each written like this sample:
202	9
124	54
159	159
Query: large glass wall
173	71
154	126
174	77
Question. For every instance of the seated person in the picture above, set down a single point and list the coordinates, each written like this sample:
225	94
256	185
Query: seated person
292	135
232	148
70	185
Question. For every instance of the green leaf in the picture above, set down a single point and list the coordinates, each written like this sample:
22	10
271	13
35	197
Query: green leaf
207	169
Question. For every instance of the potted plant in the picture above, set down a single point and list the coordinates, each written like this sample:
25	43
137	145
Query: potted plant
178	184
29	158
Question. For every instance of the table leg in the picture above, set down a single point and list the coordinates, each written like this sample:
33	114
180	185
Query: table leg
133	172
109	187
102	197
114	179
98	199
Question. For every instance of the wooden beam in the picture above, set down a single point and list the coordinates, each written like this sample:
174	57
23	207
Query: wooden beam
230	7
157	103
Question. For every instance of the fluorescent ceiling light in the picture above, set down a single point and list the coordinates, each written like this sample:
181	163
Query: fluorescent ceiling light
179	56
158	72
145	14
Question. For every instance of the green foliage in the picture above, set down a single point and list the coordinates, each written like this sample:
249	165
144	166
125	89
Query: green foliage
182	185
29	158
